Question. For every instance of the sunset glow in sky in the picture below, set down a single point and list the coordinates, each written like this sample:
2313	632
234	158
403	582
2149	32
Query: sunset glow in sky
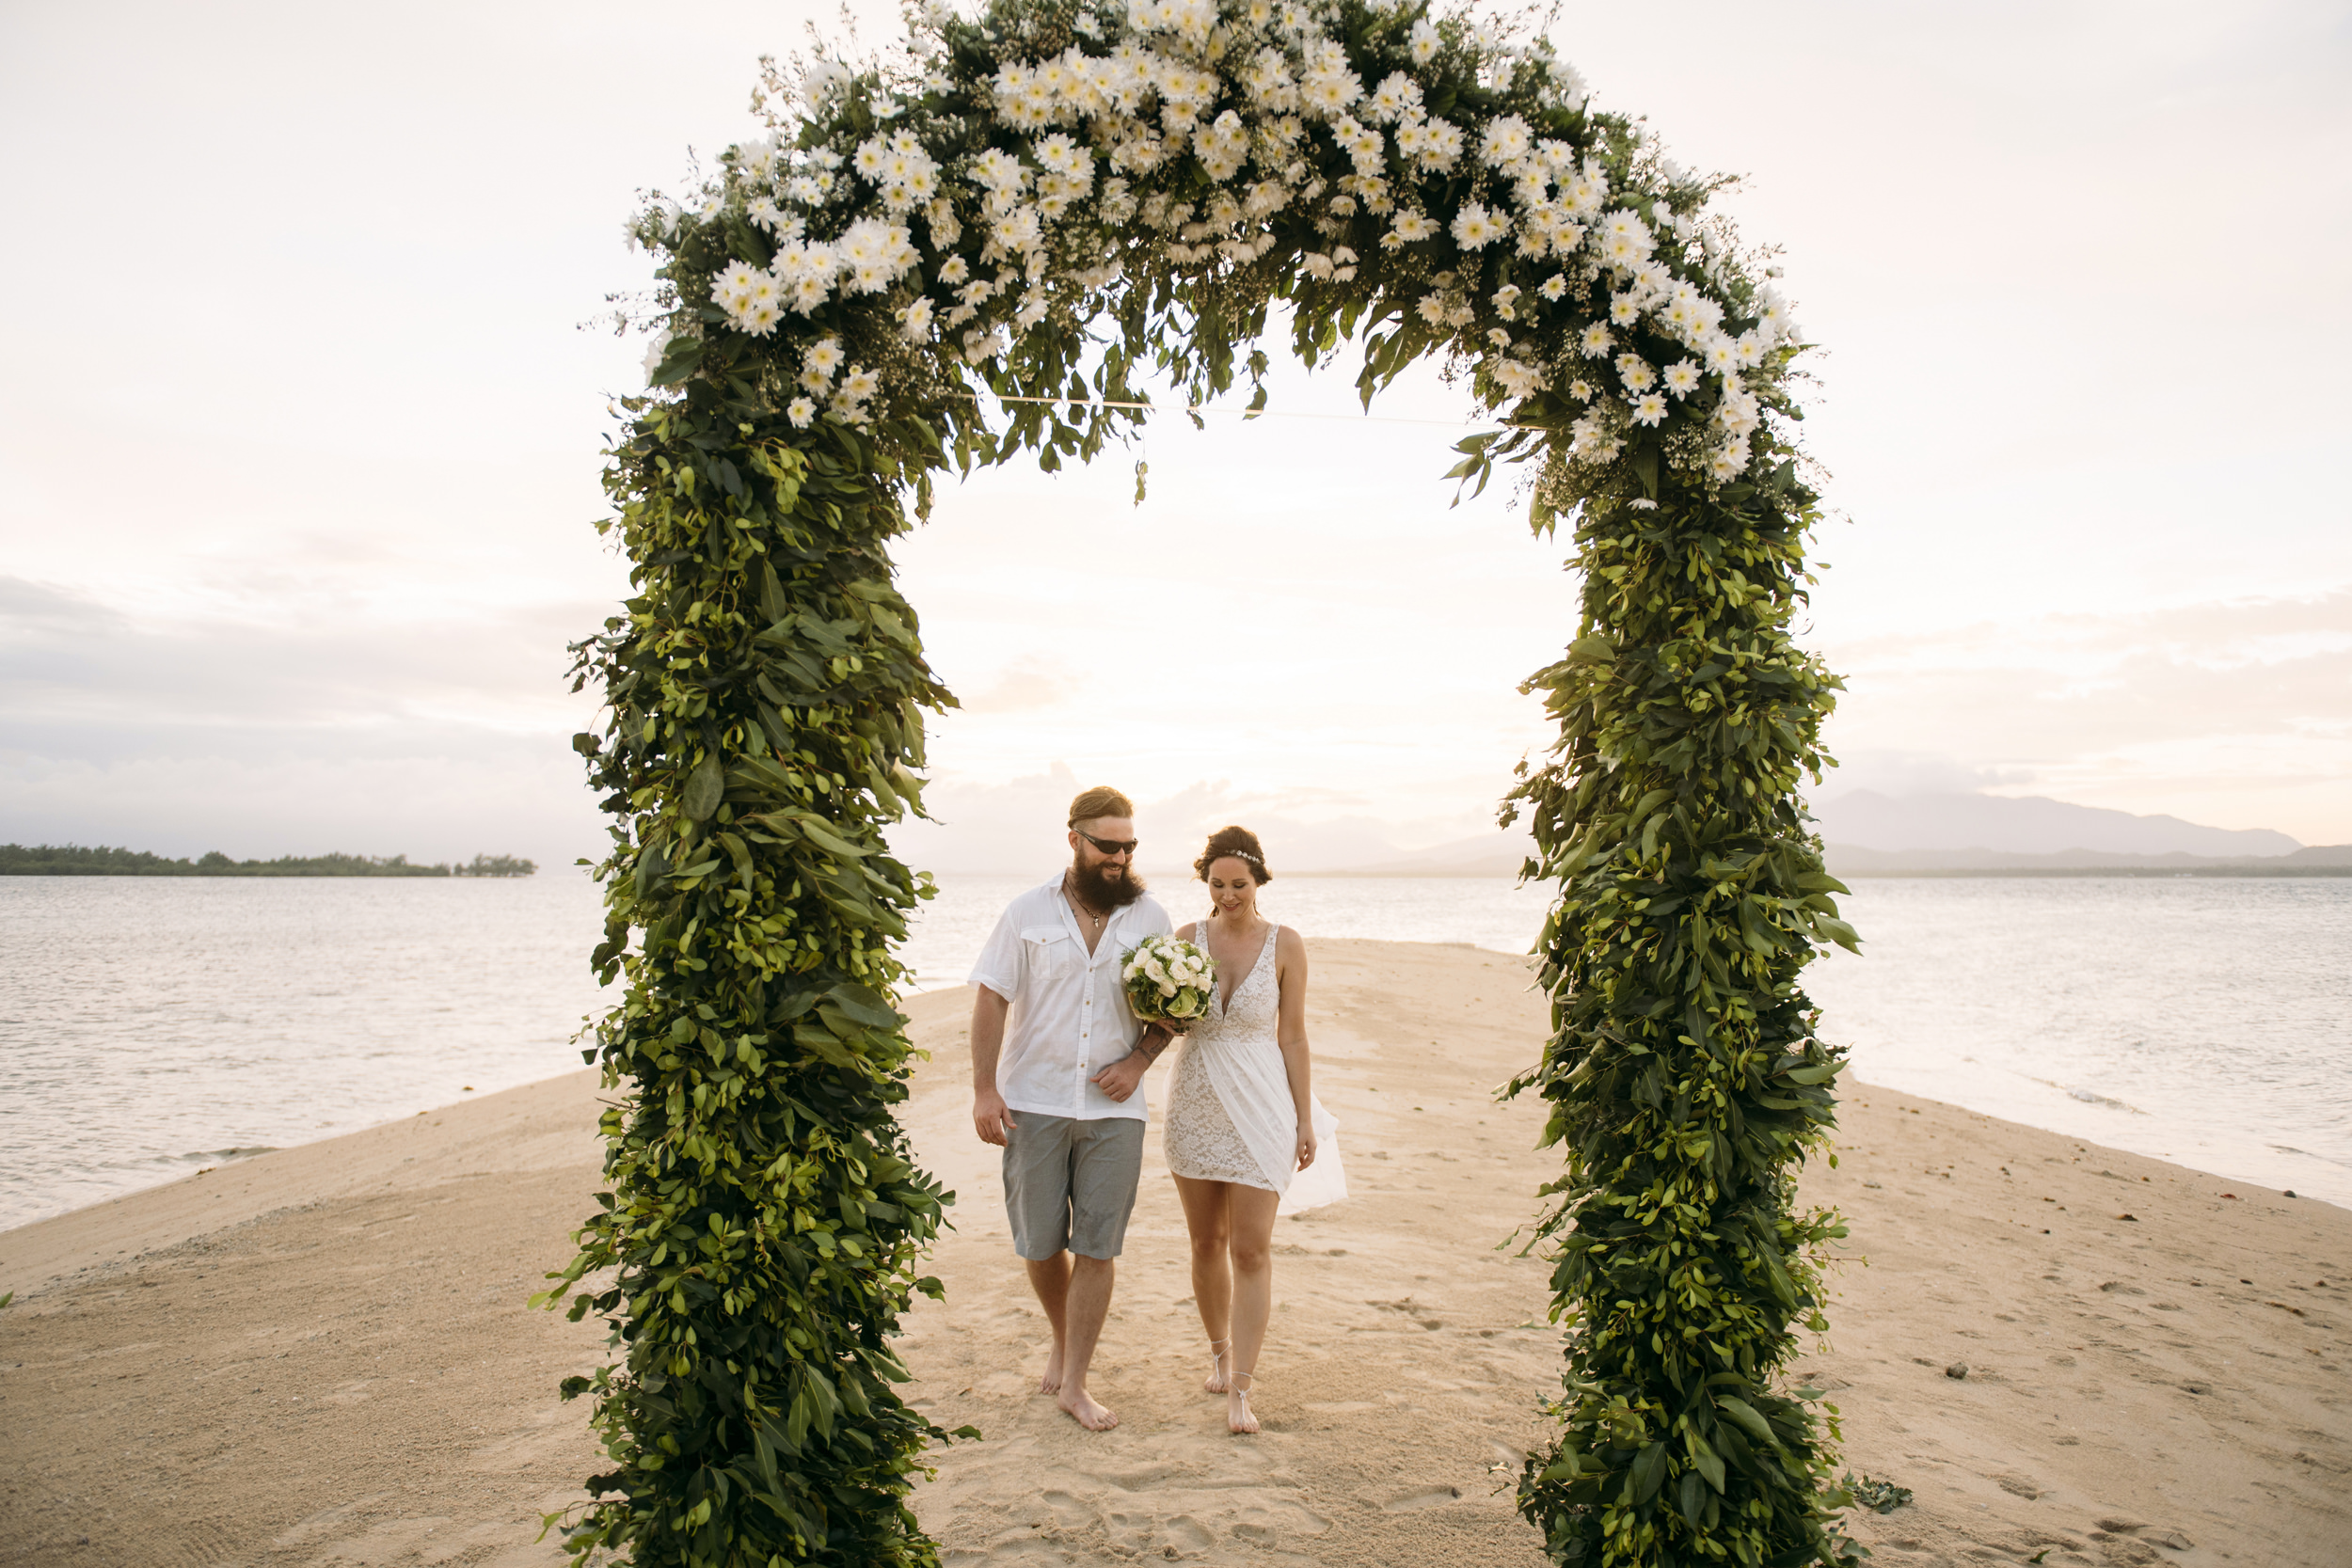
299	439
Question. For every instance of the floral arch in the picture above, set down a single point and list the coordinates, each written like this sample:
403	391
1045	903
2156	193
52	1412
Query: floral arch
1035	208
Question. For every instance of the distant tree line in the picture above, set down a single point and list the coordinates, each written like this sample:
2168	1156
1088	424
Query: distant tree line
73	860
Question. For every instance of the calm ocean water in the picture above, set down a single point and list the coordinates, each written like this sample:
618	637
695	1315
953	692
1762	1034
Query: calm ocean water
150	1026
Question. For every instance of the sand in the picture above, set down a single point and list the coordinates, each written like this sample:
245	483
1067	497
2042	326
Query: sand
321	1356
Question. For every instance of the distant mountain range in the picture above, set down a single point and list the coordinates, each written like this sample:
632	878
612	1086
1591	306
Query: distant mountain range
1870	834
2027	825
1846	860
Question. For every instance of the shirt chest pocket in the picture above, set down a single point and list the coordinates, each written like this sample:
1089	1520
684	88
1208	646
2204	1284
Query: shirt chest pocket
1047	953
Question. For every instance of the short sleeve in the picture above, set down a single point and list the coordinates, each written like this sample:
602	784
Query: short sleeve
999	967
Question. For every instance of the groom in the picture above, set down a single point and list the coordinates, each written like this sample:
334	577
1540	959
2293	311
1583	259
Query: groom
1057	1087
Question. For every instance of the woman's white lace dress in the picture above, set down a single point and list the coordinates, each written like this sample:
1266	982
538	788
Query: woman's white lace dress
1230	1115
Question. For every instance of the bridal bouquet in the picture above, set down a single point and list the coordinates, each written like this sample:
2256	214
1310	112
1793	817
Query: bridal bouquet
1169	981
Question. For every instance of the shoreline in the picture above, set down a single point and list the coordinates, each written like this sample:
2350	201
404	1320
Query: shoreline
2063	1112
322	1351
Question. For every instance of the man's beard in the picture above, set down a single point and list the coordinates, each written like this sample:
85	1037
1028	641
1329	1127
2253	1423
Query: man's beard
1109	885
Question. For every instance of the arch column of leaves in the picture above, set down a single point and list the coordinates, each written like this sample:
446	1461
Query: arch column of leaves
1048	201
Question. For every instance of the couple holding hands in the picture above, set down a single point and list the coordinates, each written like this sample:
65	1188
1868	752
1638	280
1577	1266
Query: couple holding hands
1059	1060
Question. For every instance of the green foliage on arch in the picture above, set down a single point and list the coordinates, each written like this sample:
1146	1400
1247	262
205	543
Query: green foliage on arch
1062	203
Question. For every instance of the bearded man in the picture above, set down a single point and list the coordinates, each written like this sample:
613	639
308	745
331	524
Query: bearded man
1058	1089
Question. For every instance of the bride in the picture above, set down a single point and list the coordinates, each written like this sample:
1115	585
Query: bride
1245	1135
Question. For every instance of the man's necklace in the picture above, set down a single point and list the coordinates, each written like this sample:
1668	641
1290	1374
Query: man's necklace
1079	903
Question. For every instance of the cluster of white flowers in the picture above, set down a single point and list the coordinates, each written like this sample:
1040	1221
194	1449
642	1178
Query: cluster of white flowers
1265	100
1165	979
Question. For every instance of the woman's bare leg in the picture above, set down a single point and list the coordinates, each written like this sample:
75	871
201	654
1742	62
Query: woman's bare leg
1206	1217
1251	1211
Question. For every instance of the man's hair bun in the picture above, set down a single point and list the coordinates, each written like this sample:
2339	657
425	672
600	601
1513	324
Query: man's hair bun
1242	844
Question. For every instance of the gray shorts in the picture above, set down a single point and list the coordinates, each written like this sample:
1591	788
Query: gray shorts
1071	1183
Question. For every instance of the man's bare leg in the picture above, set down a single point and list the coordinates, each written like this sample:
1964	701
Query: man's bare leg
1089	1304
1050	1280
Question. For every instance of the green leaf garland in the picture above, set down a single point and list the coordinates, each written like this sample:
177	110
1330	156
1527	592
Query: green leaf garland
1027	211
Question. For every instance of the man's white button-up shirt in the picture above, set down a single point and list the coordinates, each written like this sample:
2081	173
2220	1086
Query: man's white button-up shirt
1070	1018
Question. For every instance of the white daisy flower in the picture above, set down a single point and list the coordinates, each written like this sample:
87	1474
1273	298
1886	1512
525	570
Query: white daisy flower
1554	286
808	292
1475	228
999	170
1397	97
1682	378
1423	41
1635	373
1739	412
1625	239
1506	141
1650	409
1410	227
801	411
914	321
1596	341
1441	147
732	282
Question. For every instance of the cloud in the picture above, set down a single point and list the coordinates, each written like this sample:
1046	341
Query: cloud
1025	686
440	795
67	657
373	734
1017	826
2146	710
319	508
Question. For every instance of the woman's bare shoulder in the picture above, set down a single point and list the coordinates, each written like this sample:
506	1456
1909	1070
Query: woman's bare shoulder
1288	943
1187	930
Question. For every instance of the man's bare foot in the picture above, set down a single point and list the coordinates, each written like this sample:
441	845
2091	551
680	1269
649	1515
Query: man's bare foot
1083	1409
1239	1418
1214	1382
1050	1382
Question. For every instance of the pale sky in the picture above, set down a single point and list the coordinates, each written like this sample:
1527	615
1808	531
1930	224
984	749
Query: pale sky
298	441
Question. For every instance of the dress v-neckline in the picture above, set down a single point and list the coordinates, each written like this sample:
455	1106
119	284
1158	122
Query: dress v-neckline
1225	999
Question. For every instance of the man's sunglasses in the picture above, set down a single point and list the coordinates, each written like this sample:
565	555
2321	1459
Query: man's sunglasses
1109	845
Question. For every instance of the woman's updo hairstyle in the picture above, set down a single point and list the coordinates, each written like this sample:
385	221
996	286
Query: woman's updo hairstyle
1242	844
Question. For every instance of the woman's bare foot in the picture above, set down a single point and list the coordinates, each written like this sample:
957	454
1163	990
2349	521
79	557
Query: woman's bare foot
1238	1416
1050	1382
1214	1382
1083	1409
